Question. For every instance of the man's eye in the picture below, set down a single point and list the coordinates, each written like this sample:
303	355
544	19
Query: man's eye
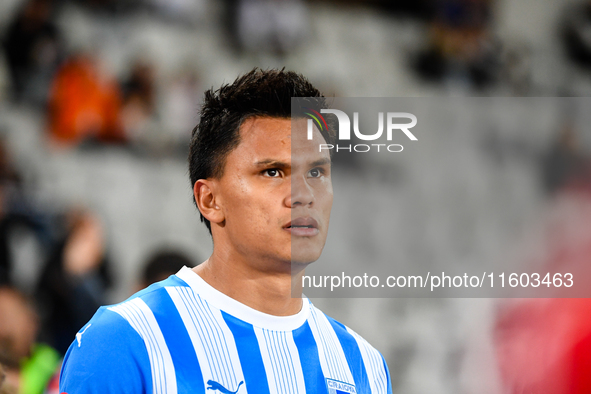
315	173
273	173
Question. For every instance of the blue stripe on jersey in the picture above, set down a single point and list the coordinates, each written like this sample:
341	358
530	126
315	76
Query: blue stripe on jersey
102	362
188	373
249	354
308	351
353	355
388	374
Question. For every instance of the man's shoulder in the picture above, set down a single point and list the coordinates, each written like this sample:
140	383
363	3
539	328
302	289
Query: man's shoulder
127	319
115	317
366	363
350	340
153	293
156	289
117	342
107	346
345	334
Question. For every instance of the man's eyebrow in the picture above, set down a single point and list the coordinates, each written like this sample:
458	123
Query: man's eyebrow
320	162
272	163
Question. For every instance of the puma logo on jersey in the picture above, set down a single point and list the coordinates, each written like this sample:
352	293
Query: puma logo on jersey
79	335
216	386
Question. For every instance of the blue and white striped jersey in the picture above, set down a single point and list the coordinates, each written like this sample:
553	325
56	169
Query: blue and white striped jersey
183	336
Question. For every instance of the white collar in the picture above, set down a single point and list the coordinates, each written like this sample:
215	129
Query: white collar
239	310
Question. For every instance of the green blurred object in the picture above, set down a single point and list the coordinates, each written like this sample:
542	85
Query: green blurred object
38	369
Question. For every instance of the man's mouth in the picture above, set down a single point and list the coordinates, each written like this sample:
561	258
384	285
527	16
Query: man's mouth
302	227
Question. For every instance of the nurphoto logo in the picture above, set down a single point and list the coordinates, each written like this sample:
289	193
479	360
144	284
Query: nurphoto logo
394	123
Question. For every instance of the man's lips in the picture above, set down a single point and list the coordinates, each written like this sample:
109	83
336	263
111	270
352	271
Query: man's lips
302	227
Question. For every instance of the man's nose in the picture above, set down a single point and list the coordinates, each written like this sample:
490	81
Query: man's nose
301	193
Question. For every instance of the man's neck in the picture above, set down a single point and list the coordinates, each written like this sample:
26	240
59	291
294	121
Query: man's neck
265	291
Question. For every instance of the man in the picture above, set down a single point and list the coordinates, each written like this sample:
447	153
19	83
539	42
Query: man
231	325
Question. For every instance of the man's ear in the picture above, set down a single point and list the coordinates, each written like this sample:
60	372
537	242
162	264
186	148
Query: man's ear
205	197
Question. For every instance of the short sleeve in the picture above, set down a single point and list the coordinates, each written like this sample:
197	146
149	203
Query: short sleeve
107	356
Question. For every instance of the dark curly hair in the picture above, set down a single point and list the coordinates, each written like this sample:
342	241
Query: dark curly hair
265	93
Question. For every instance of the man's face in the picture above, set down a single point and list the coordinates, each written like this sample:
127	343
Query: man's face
276	193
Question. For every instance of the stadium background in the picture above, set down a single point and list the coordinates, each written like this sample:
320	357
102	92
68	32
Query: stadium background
157	57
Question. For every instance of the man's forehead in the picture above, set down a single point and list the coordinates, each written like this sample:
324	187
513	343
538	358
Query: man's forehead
263	140
302	146
281	139
266	127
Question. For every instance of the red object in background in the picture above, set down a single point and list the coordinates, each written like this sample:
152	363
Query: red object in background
54	383
543	345
84	104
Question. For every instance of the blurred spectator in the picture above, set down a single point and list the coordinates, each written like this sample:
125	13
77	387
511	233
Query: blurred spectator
100	5
564	164
33	49
418	9
3	388
18	329
5	78
275	26
460	43
517	69
17	217
576	33
180	103
161	265
110	8
73	281
6	225
138	99
29	366
189	11
84	104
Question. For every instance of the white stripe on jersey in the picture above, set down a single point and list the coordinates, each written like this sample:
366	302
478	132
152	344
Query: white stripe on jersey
141	318
282	361
332	357
212	340
374	364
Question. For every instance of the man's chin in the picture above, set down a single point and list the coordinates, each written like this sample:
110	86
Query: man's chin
298	266
307	248
303	258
